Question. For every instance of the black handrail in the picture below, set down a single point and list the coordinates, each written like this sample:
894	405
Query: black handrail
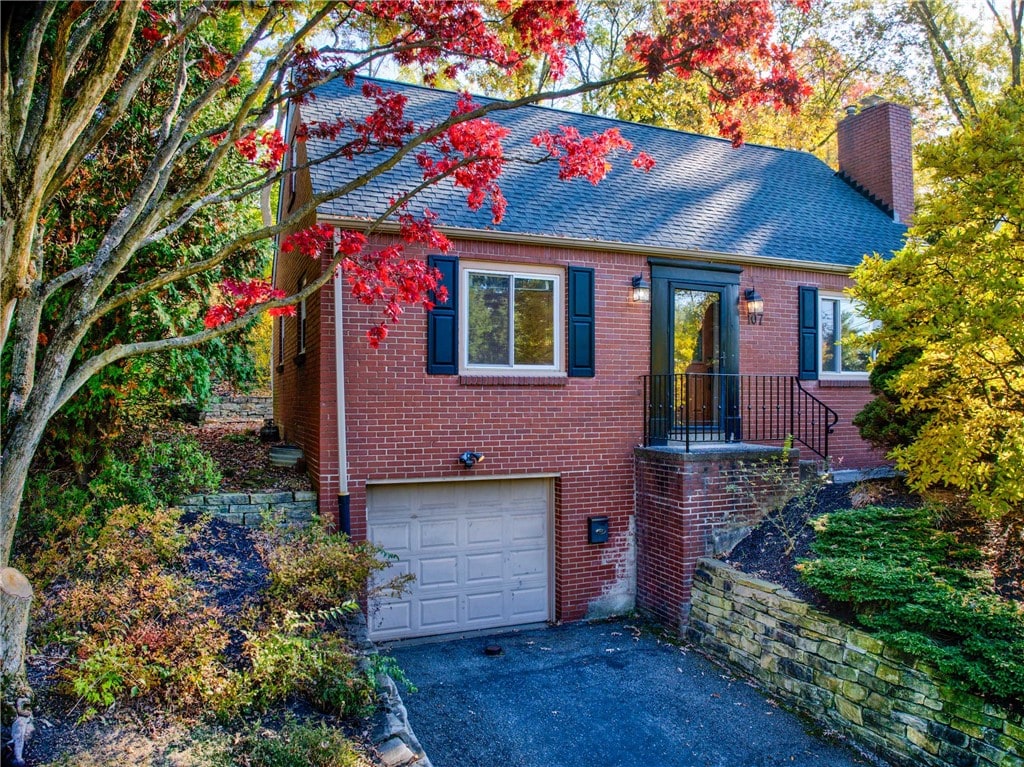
731	407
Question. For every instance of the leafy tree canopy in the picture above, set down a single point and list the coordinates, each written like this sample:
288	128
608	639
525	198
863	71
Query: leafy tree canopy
951	306
137	139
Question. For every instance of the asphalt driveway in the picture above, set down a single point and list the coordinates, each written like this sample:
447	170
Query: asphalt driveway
604	694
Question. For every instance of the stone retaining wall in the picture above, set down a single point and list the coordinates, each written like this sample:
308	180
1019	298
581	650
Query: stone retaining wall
297	506
239	408
898	708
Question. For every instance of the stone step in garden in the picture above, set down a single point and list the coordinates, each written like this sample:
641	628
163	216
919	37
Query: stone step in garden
251	509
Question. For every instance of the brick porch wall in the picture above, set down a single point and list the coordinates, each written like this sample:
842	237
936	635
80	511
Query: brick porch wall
685	504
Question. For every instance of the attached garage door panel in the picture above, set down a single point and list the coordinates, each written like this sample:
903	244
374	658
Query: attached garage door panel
479	551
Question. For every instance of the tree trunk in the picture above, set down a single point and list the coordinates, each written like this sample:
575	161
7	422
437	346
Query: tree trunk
15	600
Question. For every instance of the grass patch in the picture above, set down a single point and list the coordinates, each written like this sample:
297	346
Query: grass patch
293	745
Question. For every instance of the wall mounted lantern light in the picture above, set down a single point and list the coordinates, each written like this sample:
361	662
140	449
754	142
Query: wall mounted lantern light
755	306
641	293
470	458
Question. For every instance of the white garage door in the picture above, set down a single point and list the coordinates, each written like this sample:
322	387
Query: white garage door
479	551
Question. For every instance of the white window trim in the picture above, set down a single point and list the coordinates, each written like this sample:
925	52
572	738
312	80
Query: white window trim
511	270
845	375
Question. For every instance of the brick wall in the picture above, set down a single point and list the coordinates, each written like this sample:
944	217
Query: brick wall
772	347
403	424
303	383
875	153
903	710
688	505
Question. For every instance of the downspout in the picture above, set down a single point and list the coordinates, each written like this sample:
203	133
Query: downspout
344	513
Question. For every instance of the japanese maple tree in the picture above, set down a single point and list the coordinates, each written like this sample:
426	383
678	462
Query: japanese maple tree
75	73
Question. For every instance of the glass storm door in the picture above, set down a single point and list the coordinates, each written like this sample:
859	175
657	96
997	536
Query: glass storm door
695	334
697	353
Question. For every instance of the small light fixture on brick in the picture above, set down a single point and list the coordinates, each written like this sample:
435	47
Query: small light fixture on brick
641	293
755	306
471	458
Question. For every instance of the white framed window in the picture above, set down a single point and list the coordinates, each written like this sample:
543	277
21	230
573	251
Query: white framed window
842	348
511	319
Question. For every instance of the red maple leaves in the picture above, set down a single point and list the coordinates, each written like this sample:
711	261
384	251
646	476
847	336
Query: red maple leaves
265	149
472	154
582	156
241	297
727	41
384	276
312	241
730	42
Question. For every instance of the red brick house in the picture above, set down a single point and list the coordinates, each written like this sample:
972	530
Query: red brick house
542	362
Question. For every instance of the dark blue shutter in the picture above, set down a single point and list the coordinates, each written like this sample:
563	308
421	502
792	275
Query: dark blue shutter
443	320
581	322
808	314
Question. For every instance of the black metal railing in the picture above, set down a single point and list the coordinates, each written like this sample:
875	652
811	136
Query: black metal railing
692	408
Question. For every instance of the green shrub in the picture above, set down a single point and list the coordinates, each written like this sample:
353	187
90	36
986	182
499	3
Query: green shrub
155	473
300	655
312	569
913	585
295	745
63	517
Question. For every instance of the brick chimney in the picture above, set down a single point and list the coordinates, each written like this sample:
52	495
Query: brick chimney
874	156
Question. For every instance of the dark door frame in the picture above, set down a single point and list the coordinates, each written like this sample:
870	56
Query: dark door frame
668	274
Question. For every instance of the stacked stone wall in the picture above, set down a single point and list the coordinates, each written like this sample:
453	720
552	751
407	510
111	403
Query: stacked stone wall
901	709
291	507
238	409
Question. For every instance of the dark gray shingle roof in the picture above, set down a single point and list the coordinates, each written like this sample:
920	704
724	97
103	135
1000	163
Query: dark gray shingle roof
703	195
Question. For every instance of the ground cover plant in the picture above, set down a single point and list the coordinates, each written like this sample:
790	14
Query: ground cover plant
919	575
151	620
923	592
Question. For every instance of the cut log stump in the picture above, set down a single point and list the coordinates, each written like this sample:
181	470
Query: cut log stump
15	601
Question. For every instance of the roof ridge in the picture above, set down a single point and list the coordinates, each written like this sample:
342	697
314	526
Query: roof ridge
589	116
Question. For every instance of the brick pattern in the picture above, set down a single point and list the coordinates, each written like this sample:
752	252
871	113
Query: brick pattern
875	154
251	509
773	348
305	398
403	424
409	425
685	503
900	709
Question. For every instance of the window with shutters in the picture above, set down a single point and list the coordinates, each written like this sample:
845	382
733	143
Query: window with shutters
842	328
511	320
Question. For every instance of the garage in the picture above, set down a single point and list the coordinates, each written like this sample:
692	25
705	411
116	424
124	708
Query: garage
480	552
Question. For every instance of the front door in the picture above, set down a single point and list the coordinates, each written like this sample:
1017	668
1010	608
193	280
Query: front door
696	354
694	351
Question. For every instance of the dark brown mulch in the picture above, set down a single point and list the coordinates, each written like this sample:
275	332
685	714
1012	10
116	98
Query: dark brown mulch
244	461
223	560
764	553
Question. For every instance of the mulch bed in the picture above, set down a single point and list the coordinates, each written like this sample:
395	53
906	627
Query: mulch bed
765	552
223	561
